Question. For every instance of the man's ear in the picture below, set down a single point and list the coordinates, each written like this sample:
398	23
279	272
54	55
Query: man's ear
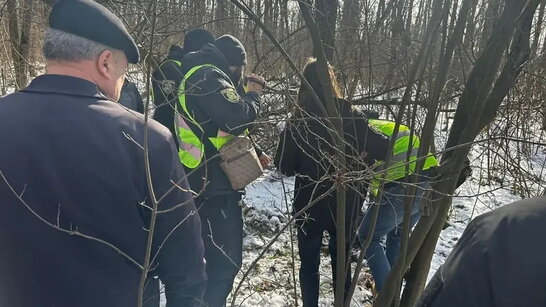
105	64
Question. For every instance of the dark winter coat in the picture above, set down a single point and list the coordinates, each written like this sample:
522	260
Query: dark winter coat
213	111
76	160
165	82
499	261
305	150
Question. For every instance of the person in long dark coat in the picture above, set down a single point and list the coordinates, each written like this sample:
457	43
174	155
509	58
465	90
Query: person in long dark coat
168	75
75	206
305	150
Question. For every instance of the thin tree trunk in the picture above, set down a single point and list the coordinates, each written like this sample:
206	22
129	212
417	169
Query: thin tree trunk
24	42
472	105
538	30
146	266
13	30
326	18
335	119
387	294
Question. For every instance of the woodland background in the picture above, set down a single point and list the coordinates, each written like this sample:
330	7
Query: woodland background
471	70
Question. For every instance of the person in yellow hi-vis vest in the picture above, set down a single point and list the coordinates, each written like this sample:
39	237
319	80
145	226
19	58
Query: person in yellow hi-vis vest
209	113
166	78
391	211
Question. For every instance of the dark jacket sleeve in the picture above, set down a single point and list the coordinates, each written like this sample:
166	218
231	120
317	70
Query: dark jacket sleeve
374	144
230	111
177	238
165	82
286	160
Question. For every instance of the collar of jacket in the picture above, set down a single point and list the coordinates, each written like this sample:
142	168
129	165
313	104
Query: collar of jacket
64	85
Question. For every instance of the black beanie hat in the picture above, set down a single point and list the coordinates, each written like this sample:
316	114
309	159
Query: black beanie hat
232	48
93	21
197	38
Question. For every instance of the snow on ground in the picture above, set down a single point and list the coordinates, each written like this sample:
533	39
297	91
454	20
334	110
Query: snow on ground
271	282
267	209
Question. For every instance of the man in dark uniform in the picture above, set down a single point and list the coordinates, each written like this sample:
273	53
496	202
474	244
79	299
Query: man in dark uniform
166	78
75	207
211	111
498	261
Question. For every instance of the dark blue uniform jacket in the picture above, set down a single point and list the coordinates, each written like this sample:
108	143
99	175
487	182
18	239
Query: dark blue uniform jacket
213	112
499	261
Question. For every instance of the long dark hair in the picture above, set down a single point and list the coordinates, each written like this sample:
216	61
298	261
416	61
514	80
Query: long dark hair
305	99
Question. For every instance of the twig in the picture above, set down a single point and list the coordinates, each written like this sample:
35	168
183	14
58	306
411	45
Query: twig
70	232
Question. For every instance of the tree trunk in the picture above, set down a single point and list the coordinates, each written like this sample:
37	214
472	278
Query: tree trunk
491	15
24	42
326	17
13	30
538	30
220	16
475	102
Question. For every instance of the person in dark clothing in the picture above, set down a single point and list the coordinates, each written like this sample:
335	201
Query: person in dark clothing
130	97
209	114
305	150
166	78
74	200
496	262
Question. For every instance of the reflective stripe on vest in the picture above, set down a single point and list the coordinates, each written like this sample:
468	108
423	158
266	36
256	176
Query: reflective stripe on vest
191	150
399	160
175	61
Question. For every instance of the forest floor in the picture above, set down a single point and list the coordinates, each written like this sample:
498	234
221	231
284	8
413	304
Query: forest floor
274	280
271	282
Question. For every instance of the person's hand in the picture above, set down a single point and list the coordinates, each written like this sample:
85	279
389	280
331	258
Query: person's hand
255	83
265	160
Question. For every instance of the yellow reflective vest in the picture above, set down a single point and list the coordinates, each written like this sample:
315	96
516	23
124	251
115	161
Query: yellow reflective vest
399	161
191	149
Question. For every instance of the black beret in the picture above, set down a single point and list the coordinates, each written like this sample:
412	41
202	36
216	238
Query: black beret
232	49
197	38
93	21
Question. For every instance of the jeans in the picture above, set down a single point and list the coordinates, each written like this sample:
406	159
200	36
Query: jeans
222	231
389	228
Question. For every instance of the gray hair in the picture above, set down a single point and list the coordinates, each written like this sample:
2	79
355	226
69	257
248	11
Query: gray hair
63	46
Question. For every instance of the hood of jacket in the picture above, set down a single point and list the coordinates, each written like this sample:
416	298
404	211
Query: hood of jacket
176	53
209	54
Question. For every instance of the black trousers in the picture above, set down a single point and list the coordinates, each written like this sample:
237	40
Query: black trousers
222	230
309	243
